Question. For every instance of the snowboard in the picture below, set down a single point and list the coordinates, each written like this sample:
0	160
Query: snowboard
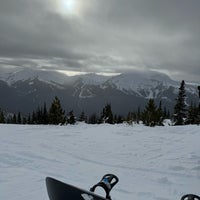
58	190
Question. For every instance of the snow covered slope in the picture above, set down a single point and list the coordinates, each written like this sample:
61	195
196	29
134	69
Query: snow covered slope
50	77
147	84
159	163
144	83
141	80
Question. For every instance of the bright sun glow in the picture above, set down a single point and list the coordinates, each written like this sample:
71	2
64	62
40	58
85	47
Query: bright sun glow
68	7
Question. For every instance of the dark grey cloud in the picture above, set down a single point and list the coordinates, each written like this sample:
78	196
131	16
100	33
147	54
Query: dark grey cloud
103	36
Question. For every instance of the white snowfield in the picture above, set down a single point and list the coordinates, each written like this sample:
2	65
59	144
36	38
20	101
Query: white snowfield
161	163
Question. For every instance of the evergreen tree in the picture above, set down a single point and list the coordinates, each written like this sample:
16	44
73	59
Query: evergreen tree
180	111
82	117
71	119
14	119
120	119
190	117
9	119
45	119
193	117
24	120
165	113
56	113
199	106
33	120
107	115
160	114
115	119
39	118
150	115
19	119
93	119
29	119
168	114
138	118
130	118
2	118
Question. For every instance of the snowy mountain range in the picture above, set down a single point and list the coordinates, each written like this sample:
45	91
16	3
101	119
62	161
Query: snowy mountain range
26	89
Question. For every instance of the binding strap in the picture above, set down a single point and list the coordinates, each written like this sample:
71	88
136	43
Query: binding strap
107	183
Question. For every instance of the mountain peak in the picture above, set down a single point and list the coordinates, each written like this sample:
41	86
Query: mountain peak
136	81
25	74
88	92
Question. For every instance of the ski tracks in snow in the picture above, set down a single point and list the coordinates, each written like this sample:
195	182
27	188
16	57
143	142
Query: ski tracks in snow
158	163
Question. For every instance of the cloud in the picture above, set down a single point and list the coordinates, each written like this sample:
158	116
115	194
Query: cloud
103	36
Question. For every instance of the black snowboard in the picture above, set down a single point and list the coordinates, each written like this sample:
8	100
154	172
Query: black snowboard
58	190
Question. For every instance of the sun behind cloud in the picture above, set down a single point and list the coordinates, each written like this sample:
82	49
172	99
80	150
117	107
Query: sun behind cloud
69	7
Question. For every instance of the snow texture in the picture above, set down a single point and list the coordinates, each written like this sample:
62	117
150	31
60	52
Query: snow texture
161	163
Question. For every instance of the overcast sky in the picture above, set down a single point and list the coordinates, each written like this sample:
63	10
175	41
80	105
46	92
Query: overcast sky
102	35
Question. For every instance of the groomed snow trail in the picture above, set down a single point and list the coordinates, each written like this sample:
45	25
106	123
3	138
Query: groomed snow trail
160	163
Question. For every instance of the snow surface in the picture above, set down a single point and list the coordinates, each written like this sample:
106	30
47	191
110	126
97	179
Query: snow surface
141	80
161	163
50	77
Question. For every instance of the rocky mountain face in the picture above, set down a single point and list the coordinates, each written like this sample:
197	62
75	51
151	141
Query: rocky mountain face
27	89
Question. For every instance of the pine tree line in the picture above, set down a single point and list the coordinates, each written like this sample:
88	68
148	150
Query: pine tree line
152	115
184	114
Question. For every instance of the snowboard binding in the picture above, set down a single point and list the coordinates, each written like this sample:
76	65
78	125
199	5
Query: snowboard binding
190	197
107	182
